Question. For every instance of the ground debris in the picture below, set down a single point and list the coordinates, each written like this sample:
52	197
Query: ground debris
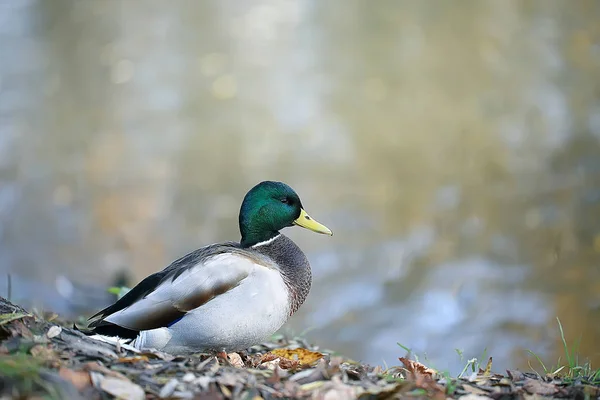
40	359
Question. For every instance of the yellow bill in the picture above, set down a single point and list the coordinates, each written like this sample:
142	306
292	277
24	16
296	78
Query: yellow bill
306	221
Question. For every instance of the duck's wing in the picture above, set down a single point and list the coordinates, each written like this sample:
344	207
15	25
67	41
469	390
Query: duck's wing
164	297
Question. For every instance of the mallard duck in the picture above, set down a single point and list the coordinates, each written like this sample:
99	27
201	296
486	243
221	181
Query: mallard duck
226	296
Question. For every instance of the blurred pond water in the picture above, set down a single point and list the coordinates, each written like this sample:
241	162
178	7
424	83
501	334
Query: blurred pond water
453	148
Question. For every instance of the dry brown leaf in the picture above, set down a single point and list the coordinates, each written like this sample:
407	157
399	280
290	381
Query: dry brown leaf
280	362
416	368
268	357
133	360
533	386
303	356
285	363
18	328
427	382
424	378
79	379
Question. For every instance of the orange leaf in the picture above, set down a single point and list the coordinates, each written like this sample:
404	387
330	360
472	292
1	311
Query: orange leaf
303	356
132	360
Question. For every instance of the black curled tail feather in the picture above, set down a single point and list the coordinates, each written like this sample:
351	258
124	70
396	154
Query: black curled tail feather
108	329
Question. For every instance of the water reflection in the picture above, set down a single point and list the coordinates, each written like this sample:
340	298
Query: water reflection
451	148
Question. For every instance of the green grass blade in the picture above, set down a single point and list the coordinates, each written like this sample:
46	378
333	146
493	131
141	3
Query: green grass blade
568	354
539	360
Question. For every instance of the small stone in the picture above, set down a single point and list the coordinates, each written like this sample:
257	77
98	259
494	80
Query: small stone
54	331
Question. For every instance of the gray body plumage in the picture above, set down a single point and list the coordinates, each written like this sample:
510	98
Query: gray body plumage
221	297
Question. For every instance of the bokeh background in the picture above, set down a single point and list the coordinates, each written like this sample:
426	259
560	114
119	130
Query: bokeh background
453	147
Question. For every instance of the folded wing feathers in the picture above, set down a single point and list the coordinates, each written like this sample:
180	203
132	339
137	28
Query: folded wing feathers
171	298
172	272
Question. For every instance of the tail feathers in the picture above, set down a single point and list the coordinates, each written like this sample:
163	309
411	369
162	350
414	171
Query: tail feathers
107	329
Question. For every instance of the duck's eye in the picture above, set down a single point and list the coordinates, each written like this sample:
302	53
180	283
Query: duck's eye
285	200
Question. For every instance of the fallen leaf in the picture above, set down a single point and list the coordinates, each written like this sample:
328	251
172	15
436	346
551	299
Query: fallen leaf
533	386
424	378
515	375
235	360
285	363
133	360
488	368
270	365
303	356
18	328
54	331
153	354
268	357
416	368
79	379
122	389
6	318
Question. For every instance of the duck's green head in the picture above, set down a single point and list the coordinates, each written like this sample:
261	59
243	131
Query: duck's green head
269	207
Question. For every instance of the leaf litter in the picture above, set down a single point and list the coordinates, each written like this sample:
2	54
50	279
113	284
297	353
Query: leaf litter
40	359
